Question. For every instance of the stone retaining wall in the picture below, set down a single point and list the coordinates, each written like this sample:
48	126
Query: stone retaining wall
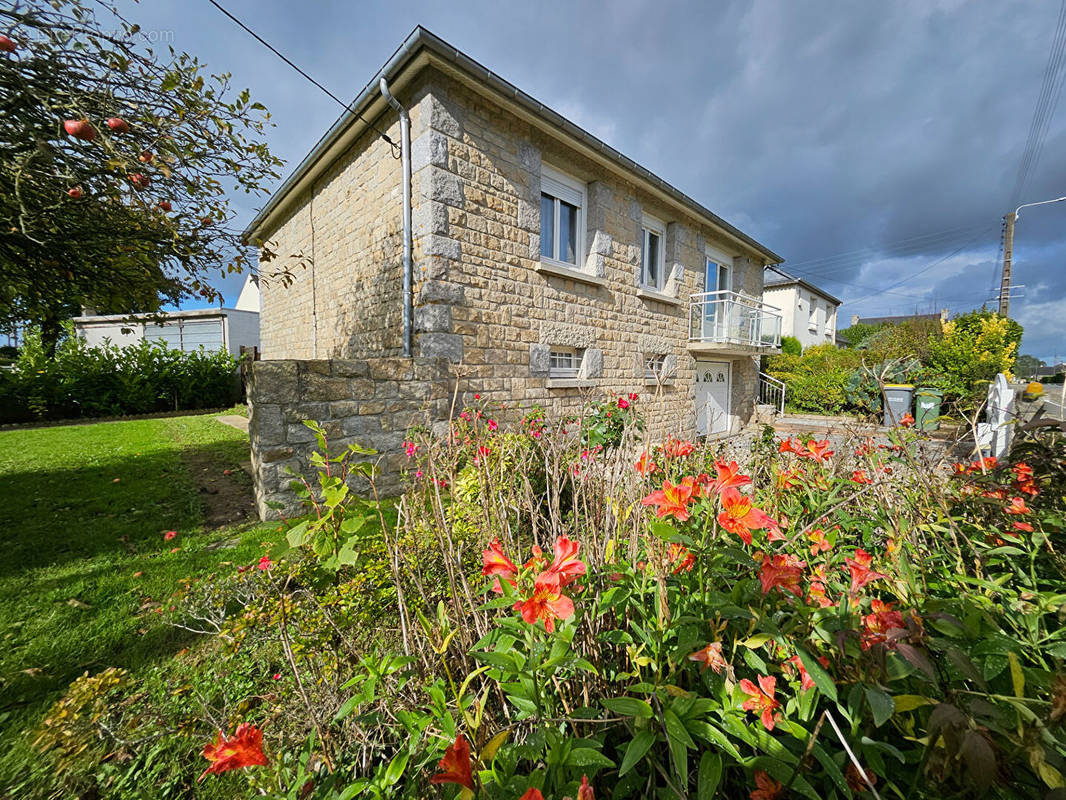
371	402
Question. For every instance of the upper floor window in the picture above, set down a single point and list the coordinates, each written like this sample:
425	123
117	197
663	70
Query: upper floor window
717	276
562	217
812	315
652	254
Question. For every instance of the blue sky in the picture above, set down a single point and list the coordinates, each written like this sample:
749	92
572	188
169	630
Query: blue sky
875	146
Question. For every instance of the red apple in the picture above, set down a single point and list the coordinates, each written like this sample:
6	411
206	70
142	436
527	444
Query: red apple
146	157
164	205
80	129
75	192
6	45
139	180
118	125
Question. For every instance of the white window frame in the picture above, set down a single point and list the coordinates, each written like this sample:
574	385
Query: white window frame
812	315
654	365
721	262
565	362
560	186
649	226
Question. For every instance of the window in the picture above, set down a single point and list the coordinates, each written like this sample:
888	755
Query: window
564	362
653	367
812	316
830	319
652	255
562	217
716	277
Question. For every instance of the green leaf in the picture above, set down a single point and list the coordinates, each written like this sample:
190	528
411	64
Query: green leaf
909	702
822	679
628	707
297	535
1017	678
881	704
675	728
587	757
710	774
396	767
637	749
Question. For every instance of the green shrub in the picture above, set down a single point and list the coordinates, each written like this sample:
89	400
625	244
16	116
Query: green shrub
816	381
84	381
791	346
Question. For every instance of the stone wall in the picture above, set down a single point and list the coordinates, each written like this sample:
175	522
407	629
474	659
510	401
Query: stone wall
371	402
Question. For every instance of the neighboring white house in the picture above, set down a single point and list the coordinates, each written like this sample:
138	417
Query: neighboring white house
212	328
807	312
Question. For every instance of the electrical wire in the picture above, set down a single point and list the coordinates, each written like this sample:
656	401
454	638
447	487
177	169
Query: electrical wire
287	60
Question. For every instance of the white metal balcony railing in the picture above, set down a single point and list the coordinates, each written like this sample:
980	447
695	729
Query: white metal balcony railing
730	318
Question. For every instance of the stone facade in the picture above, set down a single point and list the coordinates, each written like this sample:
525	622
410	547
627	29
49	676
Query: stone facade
370	402
483	295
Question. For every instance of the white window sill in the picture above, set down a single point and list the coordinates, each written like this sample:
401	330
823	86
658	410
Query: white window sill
654	384
646	293
570	383
570	272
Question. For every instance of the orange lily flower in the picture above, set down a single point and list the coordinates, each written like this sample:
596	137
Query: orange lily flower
806	681
767	787
782	571
546	604
819	542
566	565
495	563
676	448
673	500
1022	526
456	765
682	558
644	465
710	656
728	476
739	516
532	793
860	476
861	574
880	625
761	699
245	749
1017	506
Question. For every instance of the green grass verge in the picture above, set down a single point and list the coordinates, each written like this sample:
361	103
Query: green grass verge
83	510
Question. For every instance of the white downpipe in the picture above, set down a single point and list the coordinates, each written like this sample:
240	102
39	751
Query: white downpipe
405	159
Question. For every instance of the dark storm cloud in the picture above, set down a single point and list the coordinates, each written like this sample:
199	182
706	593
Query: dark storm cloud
820	128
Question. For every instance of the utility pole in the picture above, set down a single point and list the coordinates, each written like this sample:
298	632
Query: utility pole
1008	254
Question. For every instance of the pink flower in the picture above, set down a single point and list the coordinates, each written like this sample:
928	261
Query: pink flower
169	535
418	474
623	403
410	448
276	676
265	563
493	425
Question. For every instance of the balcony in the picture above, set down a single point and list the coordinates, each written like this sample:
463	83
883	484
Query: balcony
732	324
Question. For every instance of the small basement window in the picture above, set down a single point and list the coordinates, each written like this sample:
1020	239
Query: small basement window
564	362
653	367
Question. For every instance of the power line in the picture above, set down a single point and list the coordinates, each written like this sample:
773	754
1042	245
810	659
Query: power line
288	61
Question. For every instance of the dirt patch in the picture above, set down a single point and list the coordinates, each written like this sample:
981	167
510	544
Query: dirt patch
228	498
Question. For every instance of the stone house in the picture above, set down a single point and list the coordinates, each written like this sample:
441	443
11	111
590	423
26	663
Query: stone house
549	264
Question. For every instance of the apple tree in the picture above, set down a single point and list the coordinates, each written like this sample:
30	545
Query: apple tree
116	164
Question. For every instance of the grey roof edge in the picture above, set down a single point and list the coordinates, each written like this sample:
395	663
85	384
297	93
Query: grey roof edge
150	316
805	284
421	38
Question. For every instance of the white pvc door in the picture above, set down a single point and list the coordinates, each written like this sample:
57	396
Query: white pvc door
712	397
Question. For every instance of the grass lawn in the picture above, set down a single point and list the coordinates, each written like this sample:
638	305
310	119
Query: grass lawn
85	567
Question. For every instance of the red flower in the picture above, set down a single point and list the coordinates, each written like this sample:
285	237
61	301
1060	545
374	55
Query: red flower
1022	526
645	466
740	517
816	595
623	403
566	565
728	476
584	791
682	558
782	571
710	656
906	420
265	563
816	451
532	793
245	749
806	682
169	535
675	448
879	626
861	574
633	397
673	500
1017	506
761	699
495	563
768	788
546	604
860	476
788	479
819	542
456	765
1022	471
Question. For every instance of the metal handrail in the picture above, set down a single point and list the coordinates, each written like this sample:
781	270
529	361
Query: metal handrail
729	317
772	390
